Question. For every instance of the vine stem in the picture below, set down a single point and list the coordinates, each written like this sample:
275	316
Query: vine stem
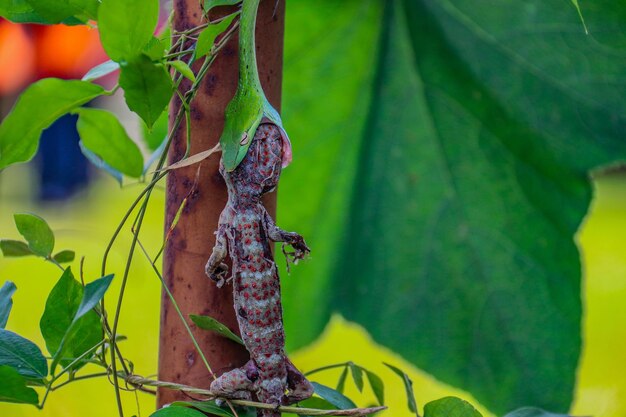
140	381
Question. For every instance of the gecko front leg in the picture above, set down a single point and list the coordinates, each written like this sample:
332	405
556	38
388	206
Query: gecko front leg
301	250
215	268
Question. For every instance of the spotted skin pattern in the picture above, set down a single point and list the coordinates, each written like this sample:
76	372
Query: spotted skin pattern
245	232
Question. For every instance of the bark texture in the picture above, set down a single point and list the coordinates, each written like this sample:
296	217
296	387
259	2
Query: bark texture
191	243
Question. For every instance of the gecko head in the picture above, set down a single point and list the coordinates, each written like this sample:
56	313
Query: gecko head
259	171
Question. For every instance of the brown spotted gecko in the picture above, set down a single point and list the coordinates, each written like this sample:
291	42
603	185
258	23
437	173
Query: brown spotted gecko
246	232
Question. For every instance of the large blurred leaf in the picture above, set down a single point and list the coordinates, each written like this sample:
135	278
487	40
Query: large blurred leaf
22	355
471	139
58	317
13	388
36	109
103	134
450	407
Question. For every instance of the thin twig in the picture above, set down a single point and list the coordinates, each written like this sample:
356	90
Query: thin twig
137	380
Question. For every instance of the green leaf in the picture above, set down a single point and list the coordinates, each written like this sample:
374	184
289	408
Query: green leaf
207	37
156	136
102	133
13	388
341	382
450	407
6	302
37	233
101	70
14	248
205	406
533	412
57	11
176	411
156	48
61	307
22	355
37	108
209	4
452	158
209	323
408	388
184	69
126	27
332	396
94	291
357	376
70	325
20	11
378	386
147	88
64	256
99	163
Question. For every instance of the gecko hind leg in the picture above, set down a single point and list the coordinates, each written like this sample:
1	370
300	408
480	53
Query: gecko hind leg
299	387
236	384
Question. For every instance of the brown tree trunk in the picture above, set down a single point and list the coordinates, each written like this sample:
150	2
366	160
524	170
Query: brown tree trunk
191	243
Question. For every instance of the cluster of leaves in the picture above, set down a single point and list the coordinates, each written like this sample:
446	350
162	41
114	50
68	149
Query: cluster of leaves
70	325
142	59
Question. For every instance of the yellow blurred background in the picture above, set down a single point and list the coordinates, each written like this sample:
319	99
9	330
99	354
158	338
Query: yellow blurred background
86	222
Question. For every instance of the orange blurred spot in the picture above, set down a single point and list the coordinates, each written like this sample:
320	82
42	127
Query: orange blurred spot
67	51
17	58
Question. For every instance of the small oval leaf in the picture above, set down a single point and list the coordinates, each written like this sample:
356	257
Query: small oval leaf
450	407
14	248
37	233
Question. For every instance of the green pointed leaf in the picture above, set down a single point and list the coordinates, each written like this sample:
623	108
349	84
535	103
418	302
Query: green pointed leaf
377	385
341	383
64	256
94	291
37	233
126	27
22	355
450	407
147	88
332	396
6	302
177	411
37	108
408	388
452	158
357	376
102	133
13	388
205	406
61	307
209	323
184	69
207	37
533	412
14	248
101	70
69	325
155	137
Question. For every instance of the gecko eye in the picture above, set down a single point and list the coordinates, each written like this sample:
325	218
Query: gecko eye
244	139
